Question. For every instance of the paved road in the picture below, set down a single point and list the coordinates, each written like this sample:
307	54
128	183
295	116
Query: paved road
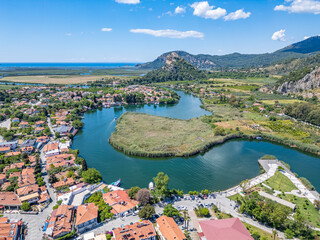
50	126
35	222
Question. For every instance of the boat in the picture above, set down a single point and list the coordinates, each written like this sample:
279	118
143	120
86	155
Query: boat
117	183
115	118
258	138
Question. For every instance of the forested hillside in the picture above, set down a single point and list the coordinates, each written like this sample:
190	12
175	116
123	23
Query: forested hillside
307	112
301	49
175	69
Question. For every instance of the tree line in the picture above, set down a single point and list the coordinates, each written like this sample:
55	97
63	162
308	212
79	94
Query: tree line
304	111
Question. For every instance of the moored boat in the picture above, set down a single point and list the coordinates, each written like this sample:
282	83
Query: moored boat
117	183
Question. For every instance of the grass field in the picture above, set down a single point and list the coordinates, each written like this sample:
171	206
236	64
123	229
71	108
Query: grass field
282	101
147	135
263	234
5	87
280	182
306	208
59	79
235	197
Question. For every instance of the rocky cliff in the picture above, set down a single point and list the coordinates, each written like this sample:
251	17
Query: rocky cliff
309	82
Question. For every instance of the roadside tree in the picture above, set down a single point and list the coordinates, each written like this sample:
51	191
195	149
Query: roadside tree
143	196
147	212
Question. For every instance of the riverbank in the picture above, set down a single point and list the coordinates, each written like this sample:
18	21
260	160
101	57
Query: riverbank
237	159
150	136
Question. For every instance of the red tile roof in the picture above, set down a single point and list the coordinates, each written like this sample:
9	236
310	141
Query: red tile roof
169	229
225	229
9	199
86	212
135	231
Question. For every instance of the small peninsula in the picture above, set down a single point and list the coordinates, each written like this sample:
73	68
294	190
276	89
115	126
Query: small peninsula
153	136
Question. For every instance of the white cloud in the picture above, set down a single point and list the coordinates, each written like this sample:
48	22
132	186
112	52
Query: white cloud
203	9
169	33
279	35
239	14
128	1
68	34
180	10
300	6
106	29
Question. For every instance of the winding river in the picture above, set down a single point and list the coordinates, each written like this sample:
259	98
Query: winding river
220	168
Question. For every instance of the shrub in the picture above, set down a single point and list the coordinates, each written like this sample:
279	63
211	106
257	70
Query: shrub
25	206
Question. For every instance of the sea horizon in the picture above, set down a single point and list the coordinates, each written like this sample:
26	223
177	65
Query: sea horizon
4	65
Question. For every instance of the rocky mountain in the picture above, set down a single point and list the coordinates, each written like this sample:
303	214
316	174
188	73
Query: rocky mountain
195	60
237	60
174	69
308	82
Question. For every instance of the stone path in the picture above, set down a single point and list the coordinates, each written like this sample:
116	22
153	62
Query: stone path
303	190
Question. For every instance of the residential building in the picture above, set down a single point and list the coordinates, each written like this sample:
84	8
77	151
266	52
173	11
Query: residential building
224	229
23	124
5	149
63	221
64	182
87	217
3	178
13	144
15	120
51	149
28	143
136	231
9	200
64	130
120	202
10	230
29	193
168	229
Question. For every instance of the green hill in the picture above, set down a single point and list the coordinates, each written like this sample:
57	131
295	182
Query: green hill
175	69
309	45
237	60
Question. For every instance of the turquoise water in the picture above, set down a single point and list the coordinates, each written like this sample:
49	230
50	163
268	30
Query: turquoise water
220	168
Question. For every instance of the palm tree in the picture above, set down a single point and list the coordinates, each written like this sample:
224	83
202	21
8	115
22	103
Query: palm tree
186	219
274	234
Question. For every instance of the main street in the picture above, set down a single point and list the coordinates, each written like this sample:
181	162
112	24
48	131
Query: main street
36	222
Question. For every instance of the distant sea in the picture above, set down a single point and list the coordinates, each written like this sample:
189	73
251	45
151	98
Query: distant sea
4	66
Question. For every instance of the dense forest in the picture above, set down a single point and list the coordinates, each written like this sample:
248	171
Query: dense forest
180	70
276	215
307	112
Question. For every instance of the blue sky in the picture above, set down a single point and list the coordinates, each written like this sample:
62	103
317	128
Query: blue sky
140	30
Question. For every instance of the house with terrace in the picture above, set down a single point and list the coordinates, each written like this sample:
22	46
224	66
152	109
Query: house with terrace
120	202
9	200
61	222
168	229
51	149
10	230
64	130
29	193
136	231
12	144
23	124
87	217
